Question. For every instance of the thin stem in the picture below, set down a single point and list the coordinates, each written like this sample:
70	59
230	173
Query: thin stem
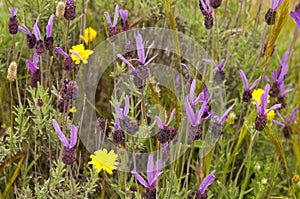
41	69
72	181
67	34
11	127
188	168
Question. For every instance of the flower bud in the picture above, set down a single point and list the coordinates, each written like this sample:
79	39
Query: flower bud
12	71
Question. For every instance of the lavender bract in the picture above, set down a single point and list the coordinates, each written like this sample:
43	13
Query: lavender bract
48	40
140	73
217	127
39	45
31	39
153	172
112	26
69	153
220	75
296	16
247	95
35	71
288	122
207	181
68	61
124	23
126	124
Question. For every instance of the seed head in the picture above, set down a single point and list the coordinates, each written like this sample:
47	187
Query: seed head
12	71
60	9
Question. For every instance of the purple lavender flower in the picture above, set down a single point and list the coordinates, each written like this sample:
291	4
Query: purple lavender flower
69	153
220	75
217	128
39	45
31	40
69	90
207	181
68	61
278	75
247	95
261	119
140	73
112	26
118	134
195	119
70	10
190	74
126	123
271	13
289	120
35	71
207	13
296	16
165	133
124	23
48	40
13	22
282	93
203	96
153	172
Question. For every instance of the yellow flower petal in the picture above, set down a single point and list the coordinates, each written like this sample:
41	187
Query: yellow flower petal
104	160
270	115
256	94
80	50
89	35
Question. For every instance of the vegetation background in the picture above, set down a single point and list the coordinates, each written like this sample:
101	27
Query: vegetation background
37	171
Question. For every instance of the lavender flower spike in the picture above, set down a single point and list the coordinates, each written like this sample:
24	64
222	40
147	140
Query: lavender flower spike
159	122
153	172
68	143
208	180
49	26
270	16
296	16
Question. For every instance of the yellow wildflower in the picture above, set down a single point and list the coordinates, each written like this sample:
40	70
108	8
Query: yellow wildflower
270	115
89	35
296	178
84	54
73	109
104	160
256	94
3	125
